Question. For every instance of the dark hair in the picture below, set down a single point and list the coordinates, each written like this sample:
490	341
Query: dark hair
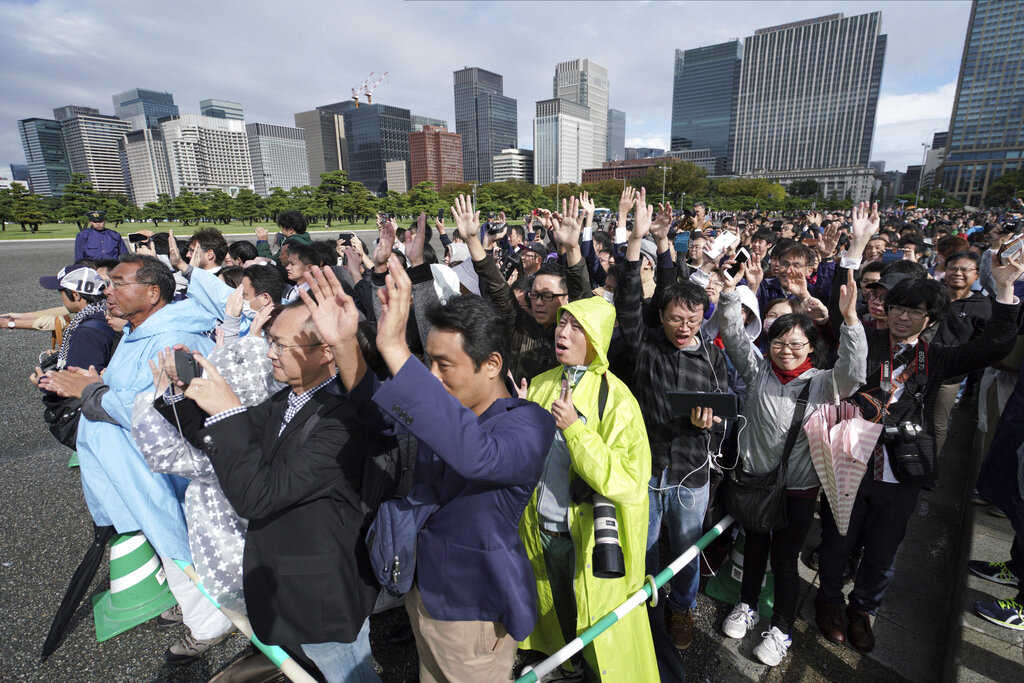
327	252
518	229
913	292
87	298
232	275
552	268
794	305
304	252
292	220
151	269
615	272
790	321
767	235
604	239
688	294
266	280
210	239
159	240
911	268
242	251
919	246
792	248
429	255
482	328
108	263
400	235
873	267
961	255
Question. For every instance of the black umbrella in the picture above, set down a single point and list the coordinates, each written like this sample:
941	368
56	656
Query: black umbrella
80	583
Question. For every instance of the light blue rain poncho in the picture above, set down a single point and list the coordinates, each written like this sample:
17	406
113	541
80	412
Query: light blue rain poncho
119	487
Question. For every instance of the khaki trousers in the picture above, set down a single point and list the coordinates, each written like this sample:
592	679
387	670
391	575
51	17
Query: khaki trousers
459	651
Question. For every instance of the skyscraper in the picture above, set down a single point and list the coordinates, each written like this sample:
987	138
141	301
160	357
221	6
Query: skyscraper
417	122
586	82
19	174
514	164
144	108
374	135
563	139
221	109
91	140
206	153
704	91
616	147
485	119
144	162
986	130
435	155
807	95
45	156
278	157
324	131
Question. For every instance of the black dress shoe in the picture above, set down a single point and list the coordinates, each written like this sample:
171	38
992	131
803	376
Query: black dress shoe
859	634
830	620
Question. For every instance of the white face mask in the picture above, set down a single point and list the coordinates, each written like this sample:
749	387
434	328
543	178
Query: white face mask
247	310
768	322
609	297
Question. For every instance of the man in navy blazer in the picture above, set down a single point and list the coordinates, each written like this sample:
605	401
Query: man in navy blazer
481	452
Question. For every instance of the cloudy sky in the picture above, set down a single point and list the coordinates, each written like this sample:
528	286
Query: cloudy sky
280	57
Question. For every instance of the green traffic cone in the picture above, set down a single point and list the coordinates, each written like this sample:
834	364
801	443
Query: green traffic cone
138	587
73	462
725	585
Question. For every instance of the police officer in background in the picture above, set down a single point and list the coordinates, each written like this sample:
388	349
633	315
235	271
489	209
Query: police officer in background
96	242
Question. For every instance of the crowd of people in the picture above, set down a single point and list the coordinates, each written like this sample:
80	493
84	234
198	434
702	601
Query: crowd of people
512	431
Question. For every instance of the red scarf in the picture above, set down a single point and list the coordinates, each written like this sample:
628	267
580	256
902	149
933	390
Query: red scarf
787	376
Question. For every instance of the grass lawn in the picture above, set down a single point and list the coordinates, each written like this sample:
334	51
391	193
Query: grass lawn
52	230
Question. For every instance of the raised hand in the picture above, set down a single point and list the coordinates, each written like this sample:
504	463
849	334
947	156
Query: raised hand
396	301
567	227
663	221
1005	274
829	240
353	262
863	224
211	392
467	221
414	249
261	234
626	200
332	310
233	307
731	281
796	286
262	316
588	206
644	215
754	272
385	243
563	409
439	225
815	310
173	254
848	300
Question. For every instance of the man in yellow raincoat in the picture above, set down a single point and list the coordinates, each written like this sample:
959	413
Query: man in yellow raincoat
606	447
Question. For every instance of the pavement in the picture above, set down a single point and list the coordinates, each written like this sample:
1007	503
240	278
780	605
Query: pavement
46	529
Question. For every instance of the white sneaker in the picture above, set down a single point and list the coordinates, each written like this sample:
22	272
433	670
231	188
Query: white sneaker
740	620
773	648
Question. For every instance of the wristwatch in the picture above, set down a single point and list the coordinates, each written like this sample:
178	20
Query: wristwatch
10	323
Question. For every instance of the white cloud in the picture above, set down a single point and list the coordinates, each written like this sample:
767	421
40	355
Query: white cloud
655	141
903	108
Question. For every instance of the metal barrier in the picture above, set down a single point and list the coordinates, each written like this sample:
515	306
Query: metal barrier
289	667
535	673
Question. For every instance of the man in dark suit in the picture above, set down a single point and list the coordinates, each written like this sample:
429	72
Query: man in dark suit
480	456
293	466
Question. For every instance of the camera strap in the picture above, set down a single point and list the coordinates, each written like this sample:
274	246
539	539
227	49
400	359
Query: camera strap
914	384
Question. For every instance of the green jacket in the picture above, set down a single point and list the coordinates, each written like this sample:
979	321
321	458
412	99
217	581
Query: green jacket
613	456
263	247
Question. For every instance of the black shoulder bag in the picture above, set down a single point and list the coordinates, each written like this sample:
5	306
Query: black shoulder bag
758	501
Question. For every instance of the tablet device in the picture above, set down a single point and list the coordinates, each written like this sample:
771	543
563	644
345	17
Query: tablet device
683	402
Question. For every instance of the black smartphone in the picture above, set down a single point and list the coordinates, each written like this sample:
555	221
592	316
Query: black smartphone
186	366
890	255
742	256
509	263
440	214
346	238
683	402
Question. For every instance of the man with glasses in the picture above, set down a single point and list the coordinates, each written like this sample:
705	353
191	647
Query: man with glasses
791	261
119	487
293	466
532	331
673	357
969	311
904	373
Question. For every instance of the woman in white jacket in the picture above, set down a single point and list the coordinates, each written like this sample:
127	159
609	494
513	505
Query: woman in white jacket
796	357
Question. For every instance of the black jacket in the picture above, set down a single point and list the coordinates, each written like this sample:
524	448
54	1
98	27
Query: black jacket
307	573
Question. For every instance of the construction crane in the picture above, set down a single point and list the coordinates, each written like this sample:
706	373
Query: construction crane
368	90
359	89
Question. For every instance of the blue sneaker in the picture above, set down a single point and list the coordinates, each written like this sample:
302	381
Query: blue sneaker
1008	613
999	572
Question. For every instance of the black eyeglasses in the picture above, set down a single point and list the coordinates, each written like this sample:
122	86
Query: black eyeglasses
546	297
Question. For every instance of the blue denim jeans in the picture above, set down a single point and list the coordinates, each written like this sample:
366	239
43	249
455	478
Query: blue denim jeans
681	510
345	662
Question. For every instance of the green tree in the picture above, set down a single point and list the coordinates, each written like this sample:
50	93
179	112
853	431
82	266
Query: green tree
334	185
187	207
393	203
114	210
275	203
248	205
358	202
28	209
423	197
78	199
758	188
220	206
299	198
804	188
1004	188
681	178
7	204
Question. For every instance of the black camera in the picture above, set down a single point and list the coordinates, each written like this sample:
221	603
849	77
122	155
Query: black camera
903	432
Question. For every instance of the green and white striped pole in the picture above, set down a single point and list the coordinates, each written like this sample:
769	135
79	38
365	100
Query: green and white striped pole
535	673
288	666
